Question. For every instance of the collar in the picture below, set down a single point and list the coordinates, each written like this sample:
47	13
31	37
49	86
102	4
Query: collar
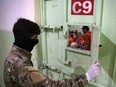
21	52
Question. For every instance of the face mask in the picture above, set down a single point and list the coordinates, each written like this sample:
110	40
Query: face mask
25	43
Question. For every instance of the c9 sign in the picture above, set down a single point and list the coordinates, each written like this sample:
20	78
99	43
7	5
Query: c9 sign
82	7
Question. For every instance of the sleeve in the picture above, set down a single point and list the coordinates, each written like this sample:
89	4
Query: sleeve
24	79
28	76
77	81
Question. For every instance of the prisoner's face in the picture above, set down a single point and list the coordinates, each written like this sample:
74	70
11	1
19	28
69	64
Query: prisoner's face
84	30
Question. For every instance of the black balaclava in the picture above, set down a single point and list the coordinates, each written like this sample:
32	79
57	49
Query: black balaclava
25	43
23	30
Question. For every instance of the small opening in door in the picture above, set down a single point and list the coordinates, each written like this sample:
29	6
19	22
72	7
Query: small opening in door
79	37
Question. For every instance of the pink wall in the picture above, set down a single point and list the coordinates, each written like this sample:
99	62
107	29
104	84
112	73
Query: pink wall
10	10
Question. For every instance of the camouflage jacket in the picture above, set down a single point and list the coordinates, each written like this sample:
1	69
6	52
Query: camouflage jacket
19	72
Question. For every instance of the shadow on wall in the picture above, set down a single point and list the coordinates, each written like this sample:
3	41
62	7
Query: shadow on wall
107	54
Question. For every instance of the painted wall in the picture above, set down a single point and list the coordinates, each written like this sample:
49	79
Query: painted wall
109	19
11	10
107	60
107	53
6	39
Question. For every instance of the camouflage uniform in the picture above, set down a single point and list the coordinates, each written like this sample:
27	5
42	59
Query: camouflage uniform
19	72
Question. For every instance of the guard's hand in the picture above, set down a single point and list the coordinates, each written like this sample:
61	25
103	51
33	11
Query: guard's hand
93	71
